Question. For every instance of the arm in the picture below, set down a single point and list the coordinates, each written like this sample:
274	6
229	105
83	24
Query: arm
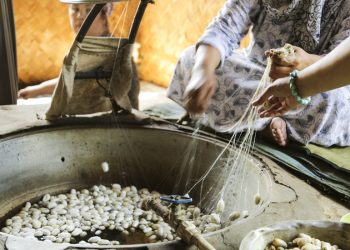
44	88
207	57
203	84
330	72
227	29
222	36
334	71
301	59
279	92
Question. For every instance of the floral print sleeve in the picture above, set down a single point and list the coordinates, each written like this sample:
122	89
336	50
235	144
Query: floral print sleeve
227	29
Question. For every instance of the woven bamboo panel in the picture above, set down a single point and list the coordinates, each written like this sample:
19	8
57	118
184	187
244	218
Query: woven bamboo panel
168	27
43	37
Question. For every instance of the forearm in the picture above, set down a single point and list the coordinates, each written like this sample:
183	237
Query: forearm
332	71
48	87
312	58
207	57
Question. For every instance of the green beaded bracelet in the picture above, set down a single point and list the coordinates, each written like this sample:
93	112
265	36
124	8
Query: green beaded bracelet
292	77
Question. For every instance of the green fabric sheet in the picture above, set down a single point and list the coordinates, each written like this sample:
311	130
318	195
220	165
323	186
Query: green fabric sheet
339	156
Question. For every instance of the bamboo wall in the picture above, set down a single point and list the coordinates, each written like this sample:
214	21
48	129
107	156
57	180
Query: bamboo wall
168	27
43	37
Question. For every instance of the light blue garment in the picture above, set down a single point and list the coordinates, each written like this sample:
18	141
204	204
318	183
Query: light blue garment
326	120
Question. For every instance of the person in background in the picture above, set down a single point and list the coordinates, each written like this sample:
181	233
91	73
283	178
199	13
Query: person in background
100	27
214	80
77	15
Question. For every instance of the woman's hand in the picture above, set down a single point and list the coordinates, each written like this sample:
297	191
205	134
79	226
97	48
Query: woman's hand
282	67
200	90
29	92
276	99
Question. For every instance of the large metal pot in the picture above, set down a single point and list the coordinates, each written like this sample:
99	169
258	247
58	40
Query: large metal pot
53	160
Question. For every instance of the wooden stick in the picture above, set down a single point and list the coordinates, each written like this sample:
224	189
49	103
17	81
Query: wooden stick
154	203
185	229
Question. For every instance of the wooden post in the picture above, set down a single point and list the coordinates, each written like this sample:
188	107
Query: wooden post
186	230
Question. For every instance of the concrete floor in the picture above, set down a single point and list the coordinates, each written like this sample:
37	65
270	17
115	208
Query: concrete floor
150	95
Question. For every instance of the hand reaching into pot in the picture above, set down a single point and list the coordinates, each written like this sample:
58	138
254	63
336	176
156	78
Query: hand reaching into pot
200	90
203	83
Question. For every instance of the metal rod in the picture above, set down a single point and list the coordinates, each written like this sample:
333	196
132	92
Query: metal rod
137	20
